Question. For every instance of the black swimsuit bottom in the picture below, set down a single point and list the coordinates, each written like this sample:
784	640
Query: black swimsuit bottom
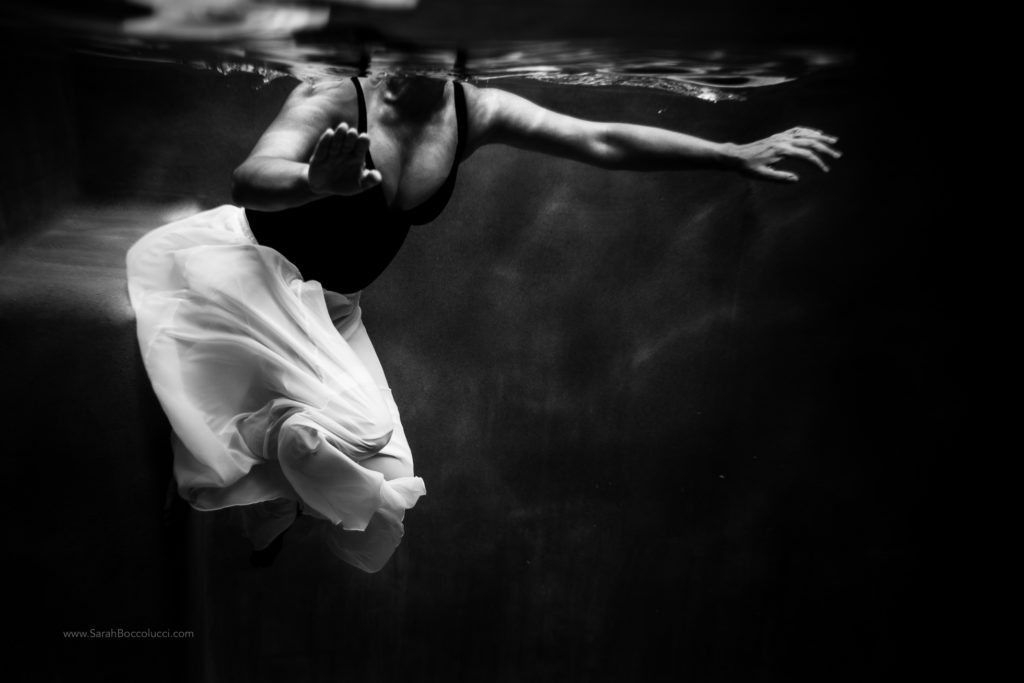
345	243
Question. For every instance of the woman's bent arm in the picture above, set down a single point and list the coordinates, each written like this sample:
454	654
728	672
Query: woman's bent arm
302	156
271	184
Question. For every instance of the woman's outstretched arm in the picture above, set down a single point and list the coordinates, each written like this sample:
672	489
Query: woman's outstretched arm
500	117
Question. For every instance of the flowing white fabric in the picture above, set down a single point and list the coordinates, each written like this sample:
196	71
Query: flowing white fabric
265	382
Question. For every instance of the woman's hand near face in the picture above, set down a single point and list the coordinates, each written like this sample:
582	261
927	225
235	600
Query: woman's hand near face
338	163
757	158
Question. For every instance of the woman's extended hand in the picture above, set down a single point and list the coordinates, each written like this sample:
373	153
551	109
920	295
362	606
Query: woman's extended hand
756	158
338	163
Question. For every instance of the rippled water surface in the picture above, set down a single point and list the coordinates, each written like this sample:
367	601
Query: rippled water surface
317	41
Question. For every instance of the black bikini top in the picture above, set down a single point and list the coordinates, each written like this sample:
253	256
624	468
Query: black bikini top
434	205
345	243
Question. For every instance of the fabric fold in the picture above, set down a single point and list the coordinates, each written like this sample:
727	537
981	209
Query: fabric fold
265	394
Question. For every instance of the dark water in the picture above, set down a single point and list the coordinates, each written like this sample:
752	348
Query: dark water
674	426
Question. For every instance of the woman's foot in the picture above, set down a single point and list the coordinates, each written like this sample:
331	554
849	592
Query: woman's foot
268	520
265	557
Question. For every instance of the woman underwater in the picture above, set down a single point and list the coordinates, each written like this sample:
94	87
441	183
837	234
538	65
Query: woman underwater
249	317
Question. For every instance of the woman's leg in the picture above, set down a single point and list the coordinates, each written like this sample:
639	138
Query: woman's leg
395	459
264	522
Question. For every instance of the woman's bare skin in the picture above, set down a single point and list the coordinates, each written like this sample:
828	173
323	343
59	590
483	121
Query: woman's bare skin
313	149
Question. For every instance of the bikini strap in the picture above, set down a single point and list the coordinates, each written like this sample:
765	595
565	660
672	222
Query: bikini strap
460	120
362	104
361	125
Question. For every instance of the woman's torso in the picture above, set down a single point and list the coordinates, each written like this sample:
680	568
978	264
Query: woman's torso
346	242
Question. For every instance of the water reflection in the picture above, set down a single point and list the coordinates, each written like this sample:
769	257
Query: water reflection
310	42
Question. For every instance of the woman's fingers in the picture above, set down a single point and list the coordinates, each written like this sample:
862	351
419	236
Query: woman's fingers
369	179
340	136
337	139
804	131
362	145
323	147
351	136
806	155
344	136
818	147
347	142
800	142
775	174
338	162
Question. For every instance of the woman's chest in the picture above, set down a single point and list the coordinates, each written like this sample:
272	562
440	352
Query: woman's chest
413	162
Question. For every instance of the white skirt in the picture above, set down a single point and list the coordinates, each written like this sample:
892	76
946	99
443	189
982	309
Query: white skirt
271	386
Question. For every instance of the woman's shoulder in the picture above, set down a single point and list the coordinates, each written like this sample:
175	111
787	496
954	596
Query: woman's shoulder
330	87
323	89
334	98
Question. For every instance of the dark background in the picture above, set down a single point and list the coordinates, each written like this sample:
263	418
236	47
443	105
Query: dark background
673	426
